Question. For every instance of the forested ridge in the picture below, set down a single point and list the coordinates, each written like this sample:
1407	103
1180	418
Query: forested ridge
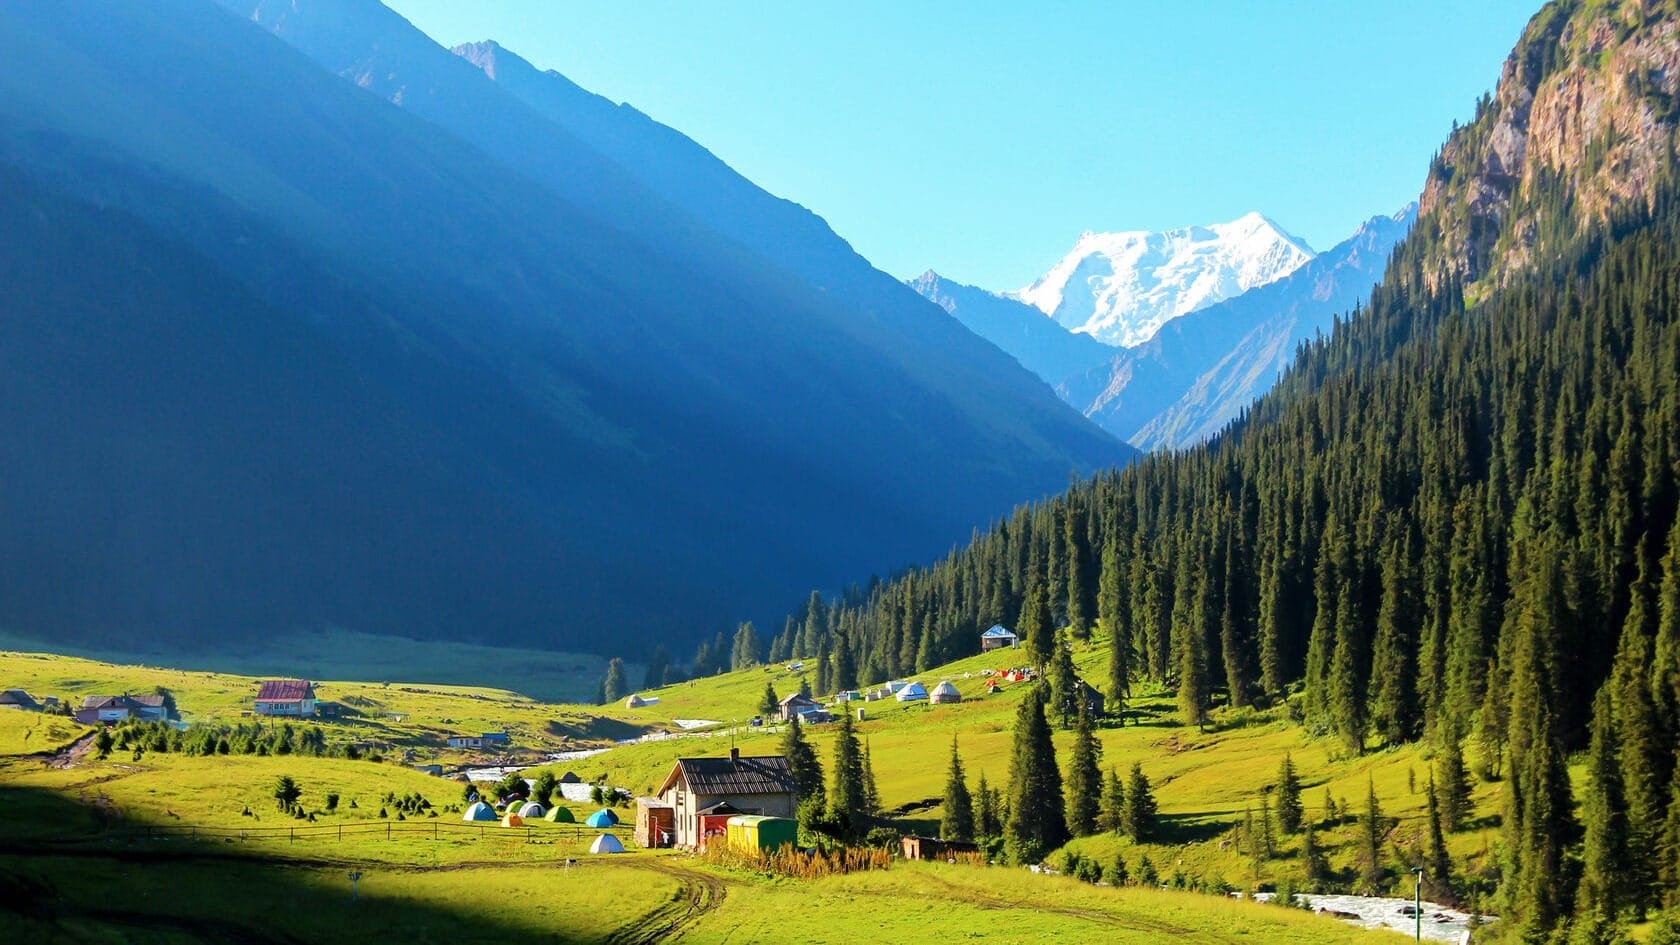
1453	521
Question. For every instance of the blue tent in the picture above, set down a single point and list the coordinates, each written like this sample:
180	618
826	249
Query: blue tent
480	811
602	819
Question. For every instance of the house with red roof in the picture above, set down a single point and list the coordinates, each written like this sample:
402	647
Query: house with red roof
286	697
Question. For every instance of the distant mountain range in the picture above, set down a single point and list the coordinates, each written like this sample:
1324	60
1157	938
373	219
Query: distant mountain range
1222	309
315	323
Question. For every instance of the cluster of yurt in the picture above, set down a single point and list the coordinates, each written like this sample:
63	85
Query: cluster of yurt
911	692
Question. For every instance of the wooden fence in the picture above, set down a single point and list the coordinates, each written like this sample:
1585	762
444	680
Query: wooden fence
359	830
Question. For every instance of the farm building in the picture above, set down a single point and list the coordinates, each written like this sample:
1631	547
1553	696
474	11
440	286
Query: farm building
997	638
752	833
656	825
817	716
286	697
932	848
913	692
705	792
944	693
97	709
18	699
1092	697
796	704
486	740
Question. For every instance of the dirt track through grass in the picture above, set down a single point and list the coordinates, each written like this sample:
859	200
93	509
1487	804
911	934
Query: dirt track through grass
698	893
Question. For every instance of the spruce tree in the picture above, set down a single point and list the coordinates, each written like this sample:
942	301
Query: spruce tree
1137	814
845	665
1037	824
1373	826
1065	690
658	664
744	654
1438	867
1190	639
848	804
1111	614
1639	740
987	822
1665	662
1289	809
614	687
802	761
768	705
1394	700
1606	862
1314	864
871	794
1084	778
1080	584
1034	625
1113	802
1455	786
957	822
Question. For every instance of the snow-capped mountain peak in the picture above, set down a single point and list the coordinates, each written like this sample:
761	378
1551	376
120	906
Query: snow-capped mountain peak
1121	287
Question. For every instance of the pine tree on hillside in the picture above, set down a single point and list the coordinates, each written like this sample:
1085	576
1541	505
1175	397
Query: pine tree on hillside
1394	708
1455	787
871	794
1665	662
1112	614
1639	741
1289	809
1314	864
1438	866
1113	802
744	654
658	664
1084	778
845	666
1034	626
614	687
1065	692
1373	827
1036	821
802	761
768	705
987	821
1190	642
957	822
1137	814
848	798
1081	589
1606	860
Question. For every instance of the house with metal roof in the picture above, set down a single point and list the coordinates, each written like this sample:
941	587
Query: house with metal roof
703	793
97	709
287	697
997	638
796	704
18	699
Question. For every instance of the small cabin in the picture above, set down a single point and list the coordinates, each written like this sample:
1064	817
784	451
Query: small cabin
997	638
933	848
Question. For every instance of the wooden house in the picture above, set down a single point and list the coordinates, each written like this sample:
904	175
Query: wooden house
796	704
997	638
703	793
290	698
656	825
97	709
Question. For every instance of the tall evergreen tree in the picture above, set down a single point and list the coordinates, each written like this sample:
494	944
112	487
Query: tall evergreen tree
1606	863
1394	709
768	705
658	663
845	665
1065	692
615	686
1084	778
1037	824
957	822
746	651
802	762
1113	802
871	794
848	804
1455	786
1112	615
987	821
1034	626
1438	866
1373	827
1081	585
1137	814
1289	809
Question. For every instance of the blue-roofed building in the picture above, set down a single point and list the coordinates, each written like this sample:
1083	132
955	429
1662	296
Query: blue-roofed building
997	638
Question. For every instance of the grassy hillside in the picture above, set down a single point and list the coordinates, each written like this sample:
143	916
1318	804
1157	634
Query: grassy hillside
210	824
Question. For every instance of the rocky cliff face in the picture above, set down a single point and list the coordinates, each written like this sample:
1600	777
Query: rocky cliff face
1583	122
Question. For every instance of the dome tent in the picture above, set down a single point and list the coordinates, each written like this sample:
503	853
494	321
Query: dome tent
479	811
513	820
912	693
560	815
606	843
530	810
944	692
602	819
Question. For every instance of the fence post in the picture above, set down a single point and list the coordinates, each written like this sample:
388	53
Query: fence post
434	830
293	835
387	830
341	833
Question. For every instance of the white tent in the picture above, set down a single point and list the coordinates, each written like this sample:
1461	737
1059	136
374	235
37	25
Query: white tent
912	692
531	810
894	685
945	692
606	843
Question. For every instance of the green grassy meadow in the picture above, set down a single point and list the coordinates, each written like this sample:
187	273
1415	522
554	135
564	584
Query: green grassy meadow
217	859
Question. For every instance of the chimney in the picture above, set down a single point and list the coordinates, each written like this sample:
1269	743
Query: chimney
735	755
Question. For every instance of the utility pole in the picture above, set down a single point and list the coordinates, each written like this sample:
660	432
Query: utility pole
1417	904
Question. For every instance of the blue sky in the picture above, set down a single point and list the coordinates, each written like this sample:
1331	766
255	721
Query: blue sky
981	139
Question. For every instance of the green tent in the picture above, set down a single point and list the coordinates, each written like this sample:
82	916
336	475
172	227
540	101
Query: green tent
560	815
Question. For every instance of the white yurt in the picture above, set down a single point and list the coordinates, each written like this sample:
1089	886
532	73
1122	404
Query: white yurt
634	702
912	692
531	810
606	843
943	693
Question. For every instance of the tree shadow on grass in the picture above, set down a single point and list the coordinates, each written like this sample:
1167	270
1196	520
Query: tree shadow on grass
68	874
1189	828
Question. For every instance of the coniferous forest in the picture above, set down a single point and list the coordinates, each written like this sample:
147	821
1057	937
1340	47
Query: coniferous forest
1454	521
